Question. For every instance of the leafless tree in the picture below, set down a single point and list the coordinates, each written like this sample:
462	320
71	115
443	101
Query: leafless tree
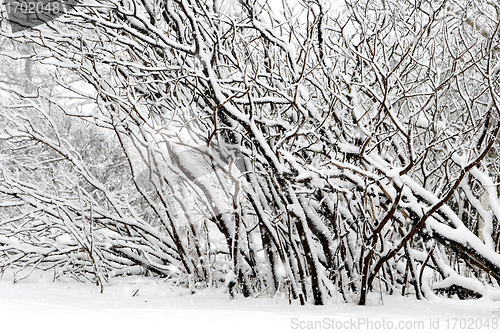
312	149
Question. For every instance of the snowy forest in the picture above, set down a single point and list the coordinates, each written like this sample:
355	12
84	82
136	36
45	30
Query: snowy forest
310	148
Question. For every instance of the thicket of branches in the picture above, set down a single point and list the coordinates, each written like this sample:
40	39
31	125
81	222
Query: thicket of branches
319	149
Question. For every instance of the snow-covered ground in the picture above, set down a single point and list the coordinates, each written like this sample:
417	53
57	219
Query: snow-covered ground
38	305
